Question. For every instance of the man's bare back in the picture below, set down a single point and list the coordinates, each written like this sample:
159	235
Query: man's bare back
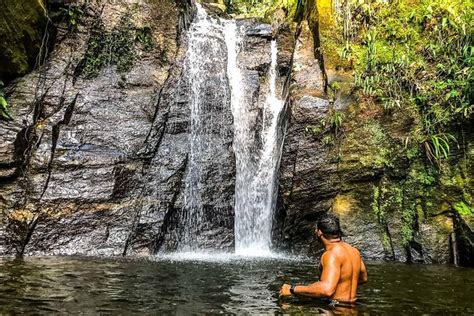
352	270
342	268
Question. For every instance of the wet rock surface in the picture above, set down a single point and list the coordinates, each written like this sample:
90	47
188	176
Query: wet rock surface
75	159
99	166
390	211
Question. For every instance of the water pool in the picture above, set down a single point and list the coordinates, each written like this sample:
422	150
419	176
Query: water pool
218	285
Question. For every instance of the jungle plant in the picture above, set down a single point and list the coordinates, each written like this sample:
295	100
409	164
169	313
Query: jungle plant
261	8
329	127
407	228
437	146
73	14
417	56
327	139
4	110
463	209
333	120
119	47
122	44
144	36
96	54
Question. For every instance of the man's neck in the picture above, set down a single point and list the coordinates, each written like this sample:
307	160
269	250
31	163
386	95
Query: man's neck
329	243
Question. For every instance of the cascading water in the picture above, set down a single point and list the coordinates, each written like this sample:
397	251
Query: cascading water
255	190
209	99
257	158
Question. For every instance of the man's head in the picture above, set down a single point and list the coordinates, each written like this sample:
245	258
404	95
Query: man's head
328	226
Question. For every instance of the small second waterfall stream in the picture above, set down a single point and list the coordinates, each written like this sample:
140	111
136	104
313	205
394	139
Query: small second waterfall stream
256	167
257	143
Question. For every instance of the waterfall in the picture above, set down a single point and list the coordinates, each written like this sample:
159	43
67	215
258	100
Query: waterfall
209	99
256	144
255	190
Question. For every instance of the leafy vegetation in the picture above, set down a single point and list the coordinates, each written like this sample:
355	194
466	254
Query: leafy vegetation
119	47
330	126
416	55
333	121
260	8
463	209
73	15
378	211
4	110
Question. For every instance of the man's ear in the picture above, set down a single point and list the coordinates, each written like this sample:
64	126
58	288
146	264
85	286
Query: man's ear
319	233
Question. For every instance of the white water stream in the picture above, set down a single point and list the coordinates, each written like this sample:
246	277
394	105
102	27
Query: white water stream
257	161
208	90
255	190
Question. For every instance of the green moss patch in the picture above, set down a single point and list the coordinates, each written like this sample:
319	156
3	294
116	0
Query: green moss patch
120	47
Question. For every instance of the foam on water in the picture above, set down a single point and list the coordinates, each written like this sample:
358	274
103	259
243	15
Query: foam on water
225	257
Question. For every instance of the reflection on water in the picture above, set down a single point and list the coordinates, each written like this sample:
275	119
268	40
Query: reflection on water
63	284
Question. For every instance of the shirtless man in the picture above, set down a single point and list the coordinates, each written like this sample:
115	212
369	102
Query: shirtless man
342	267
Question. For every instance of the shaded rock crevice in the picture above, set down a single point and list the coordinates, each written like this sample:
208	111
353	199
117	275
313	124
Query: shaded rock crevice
54	139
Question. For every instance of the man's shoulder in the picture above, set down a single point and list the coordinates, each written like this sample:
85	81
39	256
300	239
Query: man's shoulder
352	248
329	254
342	250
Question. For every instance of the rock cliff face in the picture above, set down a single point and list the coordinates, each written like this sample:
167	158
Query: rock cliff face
391	206
76	158
97	159
100	159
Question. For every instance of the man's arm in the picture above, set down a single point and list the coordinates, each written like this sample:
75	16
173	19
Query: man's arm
326	286
363	273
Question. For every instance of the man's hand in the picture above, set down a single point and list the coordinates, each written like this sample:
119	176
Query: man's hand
285	290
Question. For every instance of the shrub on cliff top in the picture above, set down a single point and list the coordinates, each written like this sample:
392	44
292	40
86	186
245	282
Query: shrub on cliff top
416	55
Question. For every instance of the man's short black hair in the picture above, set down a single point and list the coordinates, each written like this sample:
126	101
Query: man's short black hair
328	224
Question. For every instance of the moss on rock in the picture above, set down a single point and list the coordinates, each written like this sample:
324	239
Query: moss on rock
22	24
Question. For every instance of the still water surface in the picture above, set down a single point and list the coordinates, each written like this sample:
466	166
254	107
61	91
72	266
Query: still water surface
230	286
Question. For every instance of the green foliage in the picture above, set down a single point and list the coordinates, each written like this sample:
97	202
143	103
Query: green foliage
335	86
378	210
96	53
260	8
418	56
119	47
437	146
327	139
4	110
333	120
122	44
73	14
144	36
329	128
315	129
419	176
375	202
377	144
463	209
407	228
